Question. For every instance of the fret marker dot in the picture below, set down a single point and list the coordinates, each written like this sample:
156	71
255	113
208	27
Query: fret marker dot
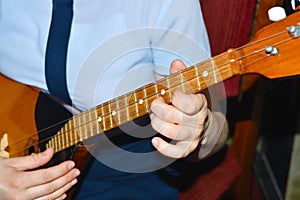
99	119
205	74
163	92
141	101
114	113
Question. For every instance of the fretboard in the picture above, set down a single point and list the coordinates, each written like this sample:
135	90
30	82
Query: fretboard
137	103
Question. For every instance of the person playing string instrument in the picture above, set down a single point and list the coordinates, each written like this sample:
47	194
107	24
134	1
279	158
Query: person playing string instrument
48	44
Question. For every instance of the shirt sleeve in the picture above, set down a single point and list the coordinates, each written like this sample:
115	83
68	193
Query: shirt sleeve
178	32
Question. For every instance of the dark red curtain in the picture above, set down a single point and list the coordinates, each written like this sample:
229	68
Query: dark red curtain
229	25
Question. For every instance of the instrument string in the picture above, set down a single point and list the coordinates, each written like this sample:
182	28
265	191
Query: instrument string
160	81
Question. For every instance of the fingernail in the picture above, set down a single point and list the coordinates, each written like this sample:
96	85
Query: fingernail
71	165
76	173
204	141
63	197
47	151
161	98
155	142
151	115
73	182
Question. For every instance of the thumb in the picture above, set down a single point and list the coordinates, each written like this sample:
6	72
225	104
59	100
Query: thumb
176	66
32	161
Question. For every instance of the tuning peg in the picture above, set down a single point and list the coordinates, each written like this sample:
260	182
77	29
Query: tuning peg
294	31
271	50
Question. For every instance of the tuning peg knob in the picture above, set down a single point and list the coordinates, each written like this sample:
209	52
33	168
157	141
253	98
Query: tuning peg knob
294	31
271	50
276	13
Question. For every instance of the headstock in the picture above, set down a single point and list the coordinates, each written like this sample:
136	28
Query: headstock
274	51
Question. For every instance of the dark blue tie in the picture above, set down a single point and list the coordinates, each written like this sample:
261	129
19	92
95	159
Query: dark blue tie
57	48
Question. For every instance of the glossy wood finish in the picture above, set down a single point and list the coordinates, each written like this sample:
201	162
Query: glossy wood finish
255	60
250	58
17	106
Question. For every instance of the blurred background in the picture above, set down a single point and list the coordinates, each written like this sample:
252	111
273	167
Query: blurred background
262	160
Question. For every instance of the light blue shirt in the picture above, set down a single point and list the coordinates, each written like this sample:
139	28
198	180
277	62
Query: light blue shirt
115	46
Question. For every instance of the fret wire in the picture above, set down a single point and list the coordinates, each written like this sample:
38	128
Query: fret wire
182	82
127	109
118	113
156	90
114	113
103	119
197	77
191	79
91	124
110	114
97	122
58	140
79	129
84	126
55	139
52	142
213	69
156	94
62	137
169	90
74	131
67	133
58	135
146	100
56	143
136	105
77	135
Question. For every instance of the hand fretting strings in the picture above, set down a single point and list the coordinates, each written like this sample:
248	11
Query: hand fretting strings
91	121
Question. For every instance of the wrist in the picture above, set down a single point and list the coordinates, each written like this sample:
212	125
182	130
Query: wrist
204	135
214	129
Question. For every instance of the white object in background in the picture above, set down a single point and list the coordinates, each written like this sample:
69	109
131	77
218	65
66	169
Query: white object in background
276	13
293	4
